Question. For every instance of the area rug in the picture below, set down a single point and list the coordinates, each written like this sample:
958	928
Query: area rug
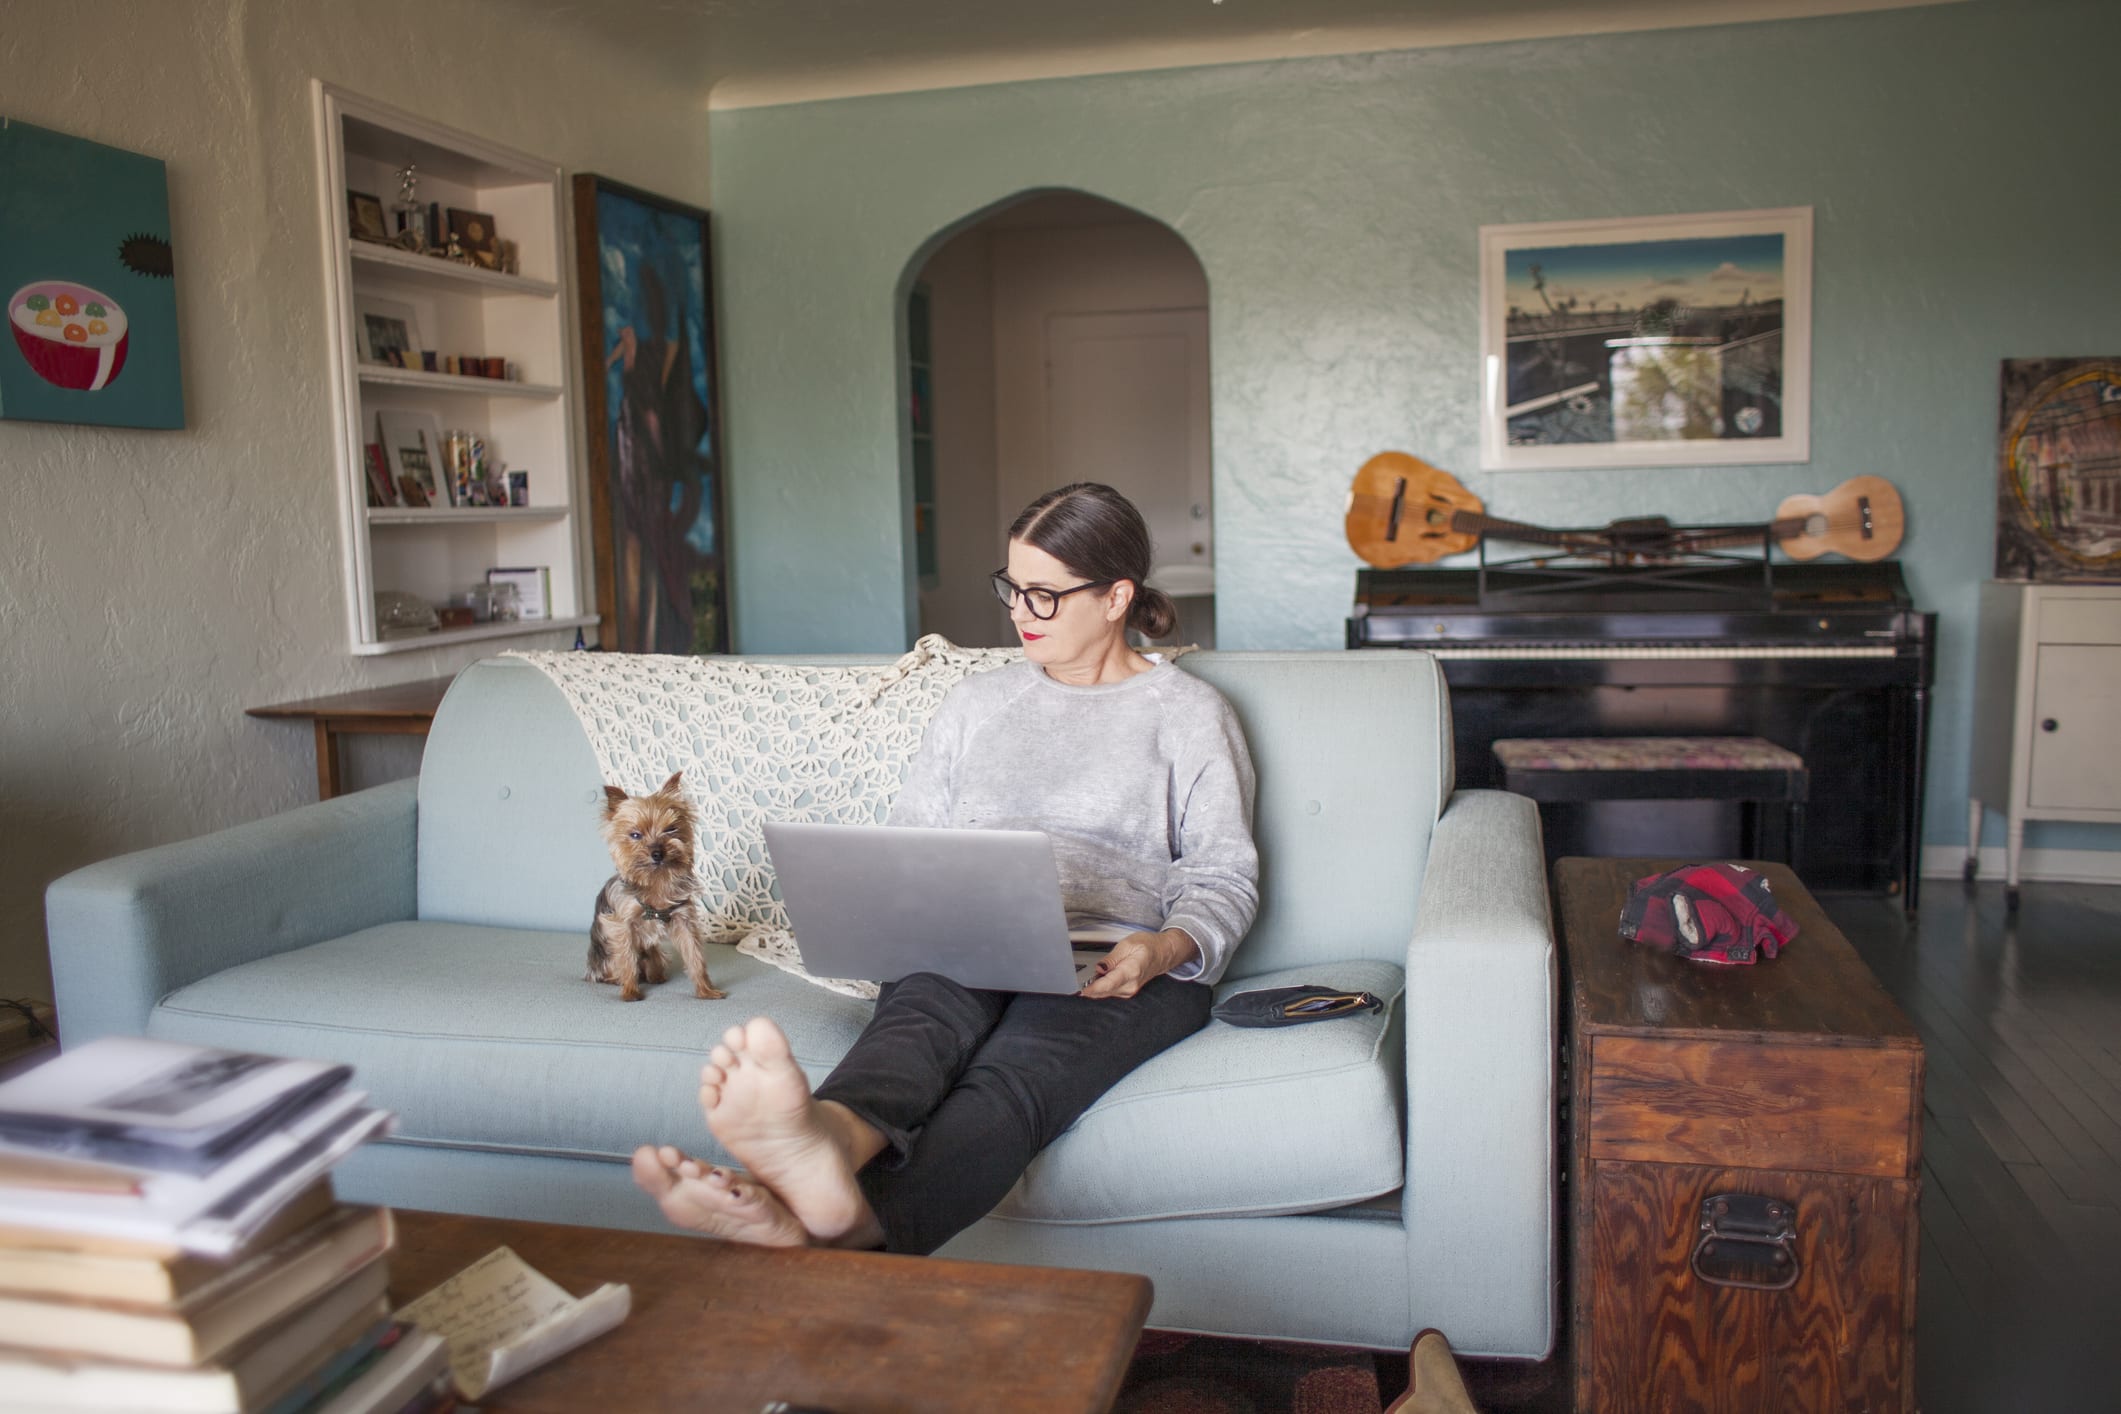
1189	1374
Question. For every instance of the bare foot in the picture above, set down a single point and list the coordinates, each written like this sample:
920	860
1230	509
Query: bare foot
758	1105
719	1202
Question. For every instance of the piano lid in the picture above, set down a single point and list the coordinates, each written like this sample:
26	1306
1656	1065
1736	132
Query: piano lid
1844	603
1655	589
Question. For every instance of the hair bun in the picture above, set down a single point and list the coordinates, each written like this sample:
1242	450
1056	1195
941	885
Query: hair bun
1152	615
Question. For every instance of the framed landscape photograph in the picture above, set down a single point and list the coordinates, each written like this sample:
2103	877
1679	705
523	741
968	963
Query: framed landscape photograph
654	414
1651	341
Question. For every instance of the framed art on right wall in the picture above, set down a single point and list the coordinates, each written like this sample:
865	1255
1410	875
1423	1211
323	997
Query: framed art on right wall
2058	470
1650	341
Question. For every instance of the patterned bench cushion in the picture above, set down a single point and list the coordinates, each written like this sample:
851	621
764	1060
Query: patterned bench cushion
1645	753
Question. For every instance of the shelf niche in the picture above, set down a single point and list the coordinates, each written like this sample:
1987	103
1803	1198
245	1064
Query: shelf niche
527	318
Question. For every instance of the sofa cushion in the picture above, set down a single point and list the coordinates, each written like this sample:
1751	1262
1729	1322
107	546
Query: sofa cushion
1237	1121
487	1038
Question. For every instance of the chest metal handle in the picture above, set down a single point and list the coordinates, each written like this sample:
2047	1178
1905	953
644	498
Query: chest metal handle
1747	1241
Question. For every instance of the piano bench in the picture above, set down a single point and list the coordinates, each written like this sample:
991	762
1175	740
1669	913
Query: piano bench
1747	769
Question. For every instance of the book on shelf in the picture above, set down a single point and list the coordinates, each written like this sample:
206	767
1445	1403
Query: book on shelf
346	1247
57	1263
283	1367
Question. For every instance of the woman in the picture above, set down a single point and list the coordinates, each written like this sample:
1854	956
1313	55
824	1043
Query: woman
1139	774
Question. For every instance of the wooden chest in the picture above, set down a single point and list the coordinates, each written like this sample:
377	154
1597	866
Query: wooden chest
1796	1082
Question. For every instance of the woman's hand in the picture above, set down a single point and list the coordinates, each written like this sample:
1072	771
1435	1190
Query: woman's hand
1139	958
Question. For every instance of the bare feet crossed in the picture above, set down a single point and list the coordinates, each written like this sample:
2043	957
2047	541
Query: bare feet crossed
758	1104
717	1201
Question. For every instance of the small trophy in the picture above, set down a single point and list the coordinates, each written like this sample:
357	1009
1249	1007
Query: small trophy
413	234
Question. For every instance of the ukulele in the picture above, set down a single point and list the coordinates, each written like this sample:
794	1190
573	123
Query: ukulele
1402	511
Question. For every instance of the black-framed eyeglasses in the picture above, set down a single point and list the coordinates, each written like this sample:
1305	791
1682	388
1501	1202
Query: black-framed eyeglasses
1043	603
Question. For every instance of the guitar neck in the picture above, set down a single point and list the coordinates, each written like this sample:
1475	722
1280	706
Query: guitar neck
1475	523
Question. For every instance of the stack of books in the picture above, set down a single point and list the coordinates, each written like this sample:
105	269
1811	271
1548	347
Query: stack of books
170	1240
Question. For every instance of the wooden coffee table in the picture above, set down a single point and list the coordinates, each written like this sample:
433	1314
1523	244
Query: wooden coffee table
724	1326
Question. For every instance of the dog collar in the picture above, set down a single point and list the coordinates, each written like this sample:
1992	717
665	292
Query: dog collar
662	915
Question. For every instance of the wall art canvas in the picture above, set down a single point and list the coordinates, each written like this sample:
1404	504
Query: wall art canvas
1655	341
654	419
87	272
2058	470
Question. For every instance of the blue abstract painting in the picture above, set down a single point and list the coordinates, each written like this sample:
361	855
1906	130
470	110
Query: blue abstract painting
87	271
659	462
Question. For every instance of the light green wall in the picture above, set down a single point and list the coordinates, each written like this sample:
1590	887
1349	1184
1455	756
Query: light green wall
1958	159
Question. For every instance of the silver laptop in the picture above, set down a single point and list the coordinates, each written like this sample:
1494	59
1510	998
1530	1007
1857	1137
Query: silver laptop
981	907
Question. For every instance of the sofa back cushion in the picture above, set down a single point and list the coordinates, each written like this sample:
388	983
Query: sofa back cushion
1352	750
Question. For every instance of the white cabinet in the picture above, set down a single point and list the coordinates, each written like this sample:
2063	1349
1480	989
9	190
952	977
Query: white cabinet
2047	695
525	318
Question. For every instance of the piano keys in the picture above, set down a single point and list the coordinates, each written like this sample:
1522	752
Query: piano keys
1830	659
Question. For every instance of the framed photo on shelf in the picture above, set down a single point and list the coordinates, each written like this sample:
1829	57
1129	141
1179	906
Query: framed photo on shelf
657	521
1651	341
389	330
412	449
364	217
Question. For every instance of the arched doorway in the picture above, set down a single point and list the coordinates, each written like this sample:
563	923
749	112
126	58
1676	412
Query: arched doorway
1056	337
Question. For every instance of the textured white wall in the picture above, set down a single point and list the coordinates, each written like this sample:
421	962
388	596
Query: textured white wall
153	584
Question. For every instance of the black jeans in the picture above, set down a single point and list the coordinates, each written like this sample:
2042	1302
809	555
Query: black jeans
967	1086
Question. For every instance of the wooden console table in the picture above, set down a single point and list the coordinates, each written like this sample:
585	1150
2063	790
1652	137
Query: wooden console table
727	1326
403	709
1794	1082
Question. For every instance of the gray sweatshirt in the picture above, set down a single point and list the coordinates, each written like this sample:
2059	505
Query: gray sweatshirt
1144	785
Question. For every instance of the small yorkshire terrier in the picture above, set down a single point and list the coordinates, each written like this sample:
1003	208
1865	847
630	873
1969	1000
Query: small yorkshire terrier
651	898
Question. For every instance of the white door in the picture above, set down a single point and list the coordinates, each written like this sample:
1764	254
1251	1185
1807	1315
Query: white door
1127	404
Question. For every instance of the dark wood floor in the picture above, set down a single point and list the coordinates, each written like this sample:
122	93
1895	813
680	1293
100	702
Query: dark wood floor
2021	1142
2020	1277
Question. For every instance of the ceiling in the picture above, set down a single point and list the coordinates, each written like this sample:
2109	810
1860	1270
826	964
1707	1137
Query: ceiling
748	53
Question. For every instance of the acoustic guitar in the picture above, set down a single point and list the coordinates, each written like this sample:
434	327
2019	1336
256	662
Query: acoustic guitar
1402	511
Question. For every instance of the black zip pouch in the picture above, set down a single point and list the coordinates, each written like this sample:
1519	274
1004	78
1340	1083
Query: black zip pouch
1292	1006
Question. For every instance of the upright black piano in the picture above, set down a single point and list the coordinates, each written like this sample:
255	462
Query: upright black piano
1830	659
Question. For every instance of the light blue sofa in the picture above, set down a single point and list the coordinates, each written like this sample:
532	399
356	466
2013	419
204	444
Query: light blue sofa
1352	1181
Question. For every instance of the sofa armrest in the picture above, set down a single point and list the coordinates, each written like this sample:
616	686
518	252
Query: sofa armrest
1482	991
129	931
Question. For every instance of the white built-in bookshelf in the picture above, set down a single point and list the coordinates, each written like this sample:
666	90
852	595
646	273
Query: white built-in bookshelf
527	318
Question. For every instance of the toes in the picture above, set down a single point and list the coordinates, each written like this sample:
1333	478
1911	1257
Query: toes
764	1039
733	1038
650	1174
720	1058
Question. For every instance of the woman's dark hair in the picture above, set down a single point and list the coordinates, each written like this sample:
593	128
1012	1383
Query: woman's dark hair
1097	534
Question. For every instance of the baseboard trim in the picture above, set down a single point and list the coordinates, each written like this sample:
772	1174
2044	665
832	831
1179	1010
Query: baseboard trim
2056	866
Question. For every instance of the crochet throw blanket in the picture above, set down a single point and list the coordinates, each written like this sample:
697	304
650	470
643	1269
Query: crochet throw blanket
758	742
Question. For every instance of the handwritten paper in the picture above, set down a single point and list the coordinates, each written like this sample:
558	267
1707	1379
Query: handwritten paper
503	1318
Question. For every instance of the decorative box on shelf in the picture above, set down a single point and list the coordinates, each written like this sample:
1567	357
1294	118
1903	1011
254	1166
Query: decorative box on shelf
468	200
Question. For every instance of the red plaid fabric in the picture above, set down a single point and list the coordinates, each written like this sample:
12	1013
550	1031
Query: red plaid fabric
1716	913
